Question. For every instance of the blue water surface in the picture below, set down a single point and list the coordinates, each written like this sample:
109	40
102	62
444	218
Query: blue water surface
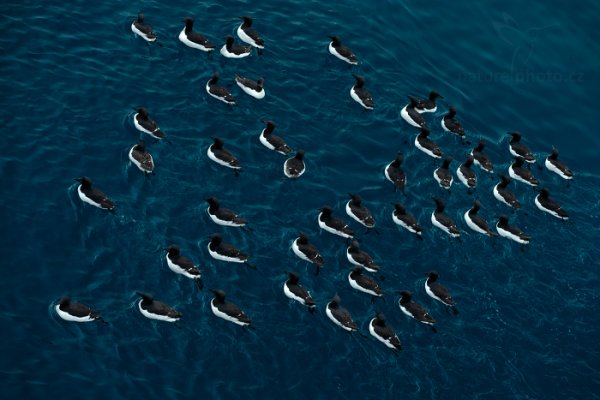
71	73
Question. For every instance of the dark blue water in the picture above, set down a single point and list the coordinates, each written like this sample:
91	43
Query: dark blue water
70	74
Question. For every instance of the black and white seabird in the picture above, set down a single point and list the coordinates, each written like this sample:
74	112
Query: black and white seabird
155	309
414	310
307	251
233	50
218	92
249	35
294	167
481	159
339	315
226	252
222	156
364	283
437	291
194	39
183	265
518	149
477	223
394	173
410	114
443	176
406	220
510	231
295	291
518	172
466	174
358	212
223	216
546	204
558	167
340	51
333	224
426	145
93	196
503	194
251	87
271	141
360	258
76	312
227	310
429	104
360	94
140	28
443	221
452	125
143	123
386	335
141	158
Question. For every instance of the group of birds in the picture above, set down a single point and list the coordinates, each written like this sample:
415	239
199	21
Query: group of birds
198	41
412	114
467	176
294	167
230	49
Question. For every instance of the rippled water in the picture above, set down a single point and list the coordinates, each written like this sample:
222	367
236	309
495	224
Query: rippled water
71	73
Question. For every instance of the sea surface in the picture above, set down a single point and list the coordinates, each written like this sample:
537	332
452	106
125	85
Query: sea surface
70	74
